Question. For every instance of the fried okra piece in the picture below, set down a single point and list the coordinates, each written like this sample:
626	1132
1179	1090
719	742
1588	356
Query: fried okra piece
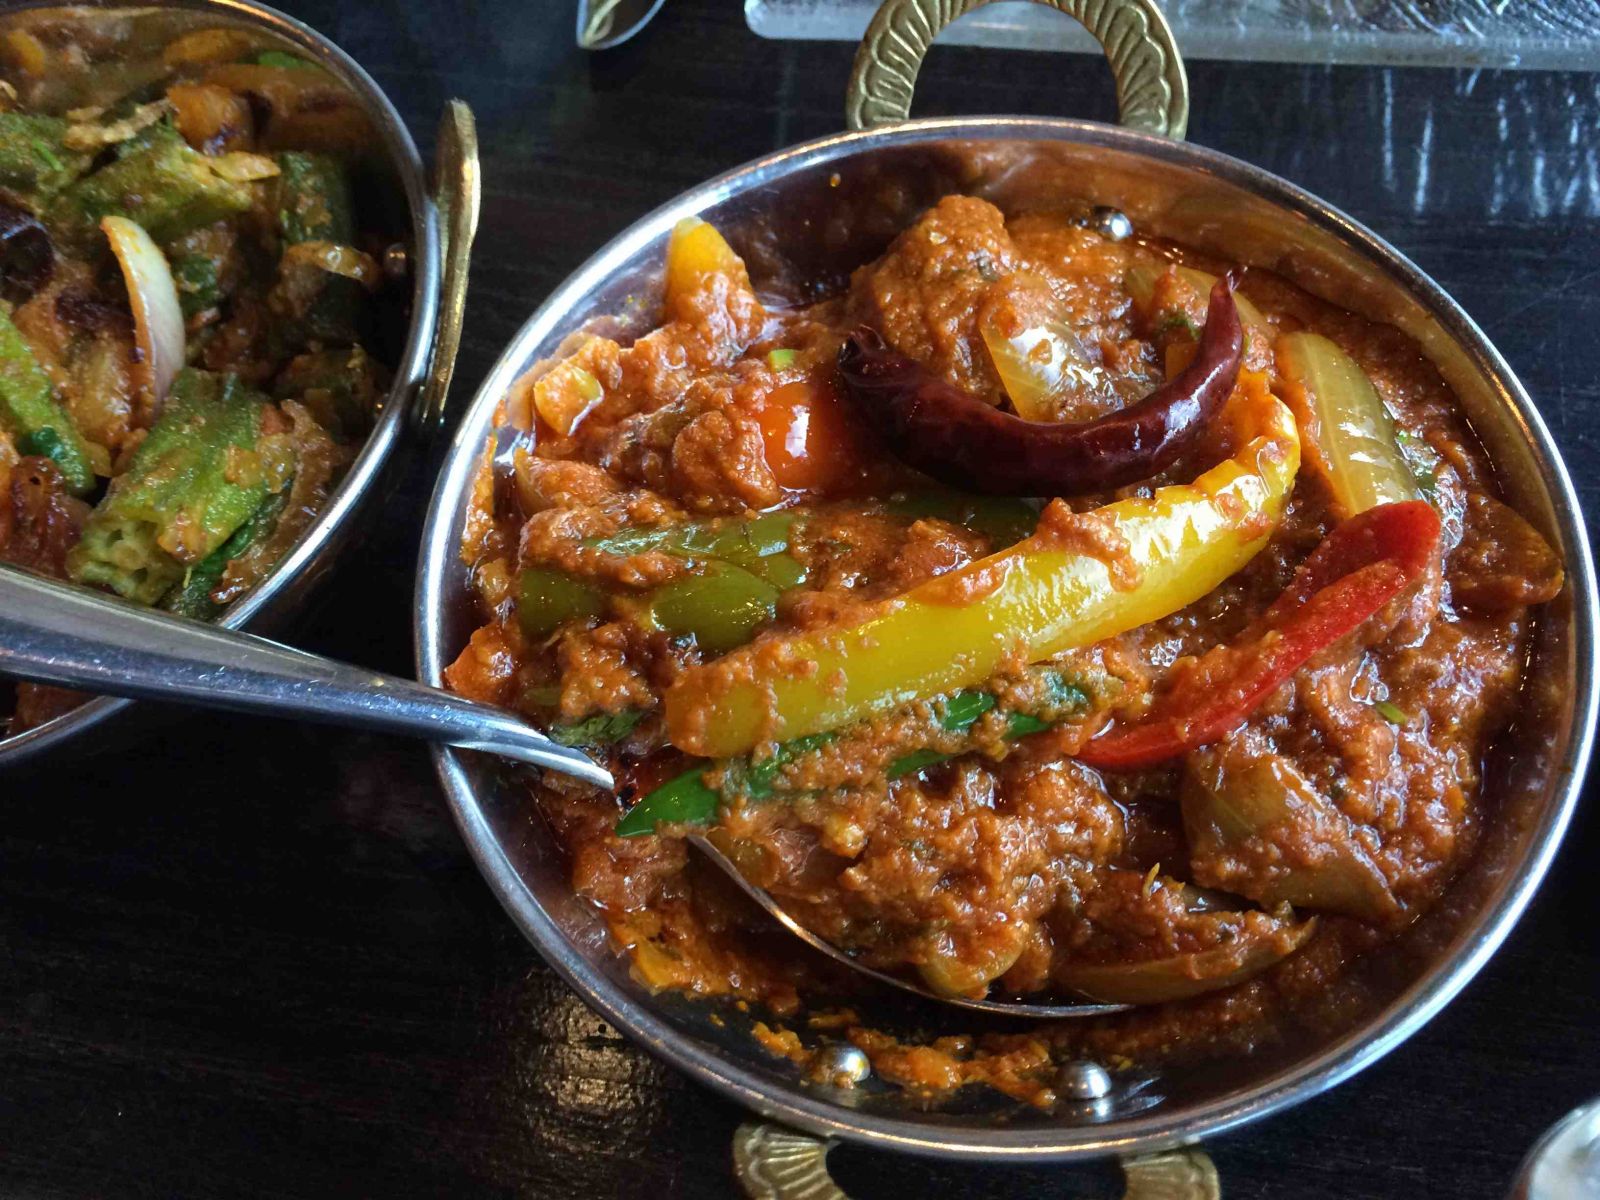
202	472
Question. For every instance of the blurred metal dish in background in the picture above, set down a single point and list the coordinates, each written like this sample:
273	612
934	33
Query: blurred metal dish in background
1565	1163
603	24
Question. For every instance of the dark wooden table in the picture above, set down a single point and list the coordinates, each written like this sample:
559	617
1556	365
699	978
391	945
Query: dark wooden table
253	959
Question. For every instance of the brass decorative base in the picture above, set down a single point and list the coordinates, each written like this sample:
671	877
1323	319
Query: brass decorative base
772	1162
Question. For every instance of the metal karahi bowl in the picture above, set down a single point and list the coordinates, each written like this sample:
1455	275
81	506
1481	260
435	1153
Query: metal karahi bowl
425	218
820	209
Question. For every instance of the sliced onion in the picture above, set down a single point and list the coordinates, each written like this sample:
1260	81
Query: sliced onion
1040	366
565	396
243	167
1249	815
336	259
1181	975
85	135
157	316
1192	288
1040	359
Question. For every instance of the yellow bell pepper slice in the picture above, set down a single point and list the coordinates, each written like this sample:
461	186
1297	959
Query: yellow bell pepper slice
1077	581
698	256
1350	433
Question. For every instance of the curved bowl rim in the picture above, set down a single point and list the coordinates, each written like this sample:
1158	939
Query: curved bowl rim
1299	1081
409	372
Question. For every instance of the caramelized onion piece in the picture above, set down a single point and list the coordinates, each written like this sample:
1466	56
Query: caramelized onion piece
1040	359
961	441
954	971
1179	976
1256	826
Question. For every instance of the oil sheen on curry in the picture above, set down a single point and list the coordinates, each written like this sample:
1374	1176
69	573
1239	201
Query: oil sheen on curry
1044	616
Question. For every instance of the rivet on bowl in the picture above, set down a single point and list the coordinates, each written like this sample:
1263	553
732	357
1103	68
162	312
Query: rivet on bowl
396	262
1110	223
842	1064
1083	1080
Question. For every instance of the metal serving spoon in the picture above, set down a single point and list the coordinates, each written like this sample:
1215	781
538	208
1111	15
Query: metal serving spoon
55	633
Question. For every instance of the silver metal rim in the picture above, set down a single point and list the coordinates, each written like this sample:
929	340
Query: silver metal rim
409	372
1334	1063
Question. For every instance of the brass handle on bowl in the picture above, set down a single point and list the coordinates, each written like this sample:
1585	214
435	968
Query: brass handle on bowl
773	1162
457	193
1152	89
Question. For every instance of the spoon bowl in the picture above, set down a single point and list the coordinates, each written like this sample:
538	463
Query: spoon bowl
1002	1008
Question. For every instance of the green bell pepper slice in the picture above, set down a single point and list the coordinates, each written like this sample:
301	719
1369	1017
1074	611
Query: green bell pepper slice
547	598
745	564
760	545
721	606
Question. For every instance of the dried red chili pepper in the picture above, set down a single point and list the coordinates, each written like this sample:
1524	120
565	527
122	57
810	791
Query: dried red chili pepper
1360	567
961	441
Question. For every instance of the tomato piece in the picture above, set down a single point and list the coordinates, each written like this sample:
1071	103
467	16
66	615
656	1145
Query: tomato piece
812	440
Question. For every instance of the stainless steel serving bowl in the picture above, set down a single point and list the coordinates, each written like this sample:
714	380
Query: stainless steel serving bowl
432	220
824	207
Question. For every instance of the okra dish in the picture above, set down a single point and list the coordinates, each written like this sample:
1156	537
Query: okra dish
1043	615
187	361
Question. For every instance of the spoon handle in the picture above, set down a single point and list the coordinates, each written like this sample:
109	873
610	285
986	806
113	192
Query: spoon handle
55	633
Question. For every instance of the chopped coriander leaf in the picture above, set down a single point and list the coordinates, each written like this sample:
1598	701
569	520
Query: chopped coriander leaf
1391	713
599	730
906	764
46	155
1181	321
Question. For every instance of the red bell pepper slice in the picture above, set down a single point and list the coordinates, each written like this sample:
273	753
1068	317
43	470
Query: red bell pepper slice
1361	566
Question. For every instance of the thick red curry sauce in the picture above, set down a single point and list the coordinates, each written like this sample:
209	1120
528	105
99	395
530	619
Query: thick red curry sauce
1219	890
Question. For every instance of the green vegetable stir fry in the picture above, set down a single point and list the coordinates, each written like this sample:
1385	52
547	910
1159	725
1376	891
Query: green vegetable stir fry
189	336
